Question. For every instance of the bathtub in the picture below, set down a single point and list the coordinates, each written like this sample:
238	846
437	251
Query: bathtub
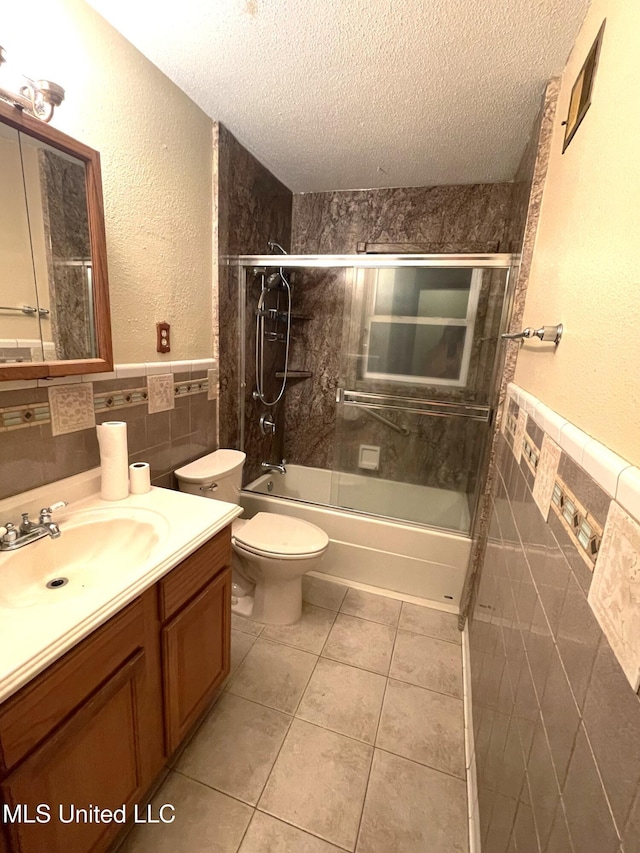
410	560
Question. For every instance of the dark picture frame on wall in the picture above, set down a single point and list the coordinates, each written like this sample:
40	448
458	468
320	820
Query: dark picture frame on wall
580	100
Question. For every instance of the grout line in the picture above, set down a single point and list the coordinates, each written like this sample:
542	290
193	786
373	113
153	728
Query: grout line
422	764
375	739
213	788
301	829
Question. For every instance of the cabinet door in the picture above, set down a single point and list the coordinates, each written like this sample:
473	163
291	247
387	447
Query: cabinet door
195	647
92	760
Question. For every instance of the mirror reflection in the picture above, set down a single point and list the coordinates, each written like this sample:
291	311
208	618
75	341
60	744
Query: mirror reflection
46	295
20	338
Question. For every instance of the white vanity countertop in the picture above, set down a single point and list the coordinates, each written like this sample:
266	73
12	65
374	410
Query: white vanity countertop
33	637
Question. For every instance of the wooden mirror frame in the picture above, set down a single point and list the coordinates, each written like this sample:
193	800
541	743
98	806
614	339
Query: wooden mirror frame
23	122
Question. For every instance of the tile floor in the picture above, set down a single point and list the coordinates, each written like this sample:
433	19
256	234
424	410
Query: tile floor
343	732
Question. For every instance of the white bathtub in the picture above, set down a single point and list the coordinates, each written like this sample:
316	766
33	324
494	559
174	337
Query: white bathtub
409	560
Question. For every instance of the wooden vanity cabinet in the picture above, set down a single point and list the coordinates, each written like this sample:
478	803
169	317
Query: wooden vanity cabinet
193	598
96	727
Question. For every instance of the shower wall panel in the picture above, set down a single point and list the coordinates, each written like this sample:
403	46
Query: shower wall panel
451	218
253	208
448	218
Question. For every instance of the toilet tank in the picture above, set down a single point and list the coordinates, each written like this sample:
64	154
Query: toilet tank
217	475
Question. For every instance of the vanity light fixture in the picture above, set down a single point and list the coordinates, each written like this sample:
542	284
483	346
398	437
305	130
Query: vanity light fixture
38	97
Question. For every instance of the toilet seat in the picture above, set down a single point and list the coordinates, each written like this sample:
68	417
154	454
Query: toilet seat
280	537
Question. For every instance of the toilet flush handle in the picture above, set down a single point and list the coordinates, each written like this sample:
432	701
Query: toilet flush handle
210	487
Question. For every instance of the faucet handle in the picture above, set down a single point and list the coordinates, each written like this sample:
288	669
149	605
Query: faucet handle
45	512
10	533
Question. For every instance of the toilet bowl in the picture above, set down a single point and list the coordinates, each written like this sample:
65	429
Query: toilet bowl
271	552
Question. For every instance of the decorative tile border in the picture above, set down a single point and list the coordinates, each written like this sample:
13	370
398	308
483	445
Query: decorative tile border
612	550
120	399
613	594
545	475
31	414
530	452
615	475
191	386
71	408
582	528
161	393
511	424
17	417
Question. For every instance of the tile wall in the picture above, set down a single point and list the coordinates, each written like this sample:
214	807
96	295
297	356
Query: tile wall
520	235
47	428
554	643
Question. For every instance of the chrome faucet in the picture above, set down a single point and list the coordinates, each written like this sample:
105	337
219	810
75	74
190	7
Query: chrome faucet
273	466
12	537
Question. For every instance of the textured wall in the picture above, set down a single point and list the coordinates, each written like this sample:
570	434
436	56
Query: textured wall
253	208
155	146
556	723
587	255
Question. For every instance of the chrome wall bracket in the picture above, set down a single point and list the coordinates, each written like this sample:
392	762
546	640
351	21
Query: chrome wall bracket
548	334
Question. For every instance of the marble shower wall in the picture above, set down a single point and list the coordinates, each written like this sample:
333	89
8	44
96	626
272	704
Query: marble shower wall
438	452
66	231
253	207
466	217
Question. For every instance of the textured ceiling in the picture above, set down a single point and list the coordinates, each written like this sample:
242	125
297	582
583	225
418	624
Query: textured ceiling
346	94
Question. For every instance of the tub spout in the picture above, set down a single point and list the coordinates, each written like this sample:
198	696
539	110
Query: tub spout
273	466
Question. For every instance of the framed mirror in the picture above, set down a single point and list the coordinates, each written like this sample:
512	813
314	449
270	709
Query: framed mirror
54	291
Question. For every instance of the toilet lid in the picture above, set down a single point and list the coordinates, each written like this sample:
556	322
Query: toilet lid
212	465
271	533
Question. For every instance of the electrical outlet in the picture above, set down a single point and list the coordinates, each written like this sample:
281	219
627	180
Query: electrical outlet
164	339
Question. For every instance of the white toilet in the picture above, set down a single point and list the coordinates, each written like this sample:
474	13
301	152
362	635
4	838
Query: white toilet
271	551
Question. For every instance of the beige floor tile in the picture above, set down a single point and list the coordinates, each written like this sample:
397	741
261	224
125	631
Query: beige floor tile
427	662
344	699
318	783
368	605
359	642
323	593
240	645
424	726
309	633
412	809
204	820
247	626
268	835
273	675
235	748
430	622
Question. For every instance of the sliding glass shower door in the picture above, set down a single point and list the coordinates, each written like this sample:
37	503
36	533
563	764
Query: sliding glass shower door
391	367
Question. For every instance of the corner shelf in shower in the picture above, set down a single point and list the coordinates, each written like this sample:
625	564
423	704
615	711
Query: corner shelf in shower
294	374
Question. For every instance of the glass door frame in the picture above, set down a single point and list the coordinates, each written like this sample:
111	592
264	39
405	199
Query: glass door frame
352	263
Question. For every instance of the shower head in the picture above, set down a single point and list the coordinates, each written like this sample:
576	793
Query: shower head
273	281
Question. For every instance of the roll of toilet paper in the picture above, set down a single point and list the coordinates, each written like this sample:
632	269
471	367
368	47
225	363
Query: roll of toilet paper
114	460
139	478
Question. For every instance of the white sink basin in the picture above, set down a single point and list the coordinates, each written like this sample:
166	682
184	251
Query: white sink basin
96	546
